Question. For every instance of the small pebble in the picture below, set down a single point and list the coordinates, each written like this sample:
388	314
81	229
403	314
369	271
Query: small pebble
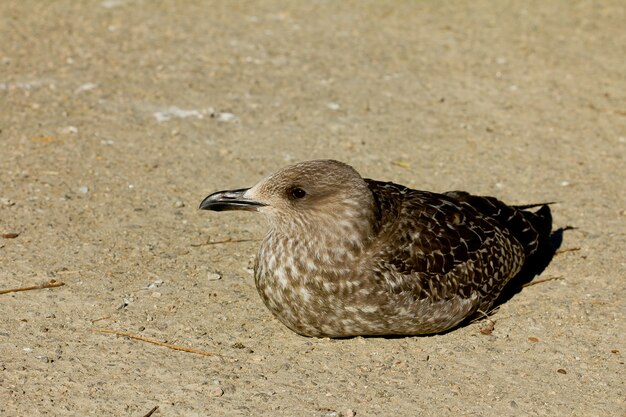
348	413
156	284
179	204
213	276
85	87
564	183
70	129
7	202
83	189
156	294
225	117
333	106
125	303
216	392
562	371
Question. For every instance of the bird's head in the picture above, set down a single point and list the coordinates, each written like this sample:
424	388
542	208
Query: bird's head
305	196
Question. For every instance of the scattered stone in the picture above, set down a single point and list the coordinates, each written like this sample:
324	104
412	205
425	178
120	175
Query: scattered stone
216	392
109	4
126	302
156	284
488	329
6	202
561	371
225	117
85	87
70	130
179	204
348	413
333	106
175	112
156	294
213	276
83	189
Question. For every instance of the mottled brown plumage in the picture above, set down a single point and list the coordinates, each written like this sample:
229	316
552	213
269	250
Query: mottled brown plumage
348	256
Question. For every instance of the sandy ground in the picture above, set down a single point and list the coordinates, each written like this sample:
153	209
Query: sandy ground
117	117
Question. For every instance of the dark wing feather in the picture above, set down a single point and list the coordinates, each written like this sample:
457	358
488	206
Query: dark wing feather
531	229
440	248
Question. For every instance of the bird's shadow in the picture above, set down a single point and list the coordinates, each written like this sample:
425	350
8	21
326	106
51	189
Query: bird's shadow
534	266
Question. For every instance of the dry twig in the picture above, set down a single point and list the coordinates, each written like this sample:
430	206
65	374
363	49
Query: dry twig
219	242
539	281
51	284
155	342
156	407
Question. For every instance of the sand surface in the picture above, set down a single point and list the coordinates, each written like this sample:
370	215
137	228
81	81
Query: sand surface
117	117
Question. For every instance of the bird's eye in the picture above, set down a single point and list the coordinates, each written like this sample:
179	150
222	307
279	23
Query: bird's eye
297	193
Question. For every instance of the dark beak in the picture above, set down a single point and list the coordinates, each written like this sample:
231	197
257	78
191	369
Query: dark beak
229	200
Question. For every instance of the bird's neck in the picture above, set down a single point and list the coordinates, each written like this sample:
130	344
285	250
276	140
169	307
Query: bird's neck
332	238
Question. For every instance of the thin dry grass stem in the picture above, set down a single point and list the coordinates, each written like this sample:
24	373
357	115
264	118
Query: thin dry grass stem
539	281
100	318
560	251
156	407
67	272
219	242
50	284
154	342
483	315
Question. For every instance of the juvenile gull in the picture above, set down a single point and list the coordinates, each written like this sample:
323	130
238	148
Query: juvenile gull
348	256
